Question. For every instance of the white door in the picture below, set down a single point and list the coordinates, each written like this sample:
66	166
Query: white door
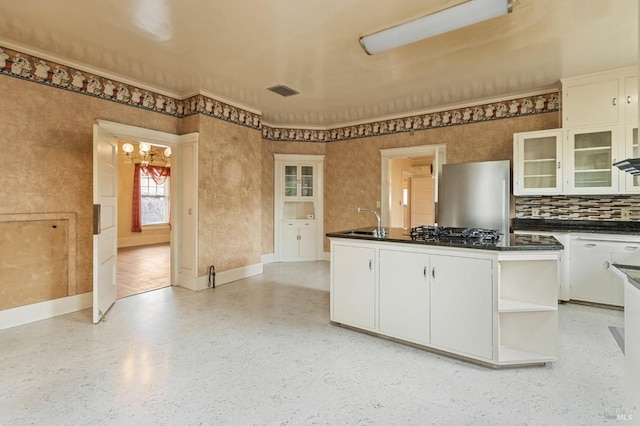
105	244
422	207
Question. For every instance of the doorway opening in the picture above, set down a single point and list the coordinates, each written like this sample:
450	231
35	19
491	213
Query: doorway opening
144	219
410	185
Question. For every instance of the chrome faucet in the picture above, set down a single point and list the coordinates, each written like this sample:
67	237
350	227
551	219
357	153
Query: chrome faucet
378	233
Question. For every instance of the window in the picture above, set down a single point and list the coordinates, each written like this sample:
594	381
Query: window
154	201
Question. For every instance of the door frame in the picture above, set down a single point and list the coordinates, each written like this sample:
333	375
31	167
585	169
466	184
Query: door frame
181	276
439	153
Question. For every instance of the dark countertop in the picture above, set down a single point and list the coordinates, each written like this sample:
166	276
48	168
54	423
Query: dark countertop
632	273
511	243
588	226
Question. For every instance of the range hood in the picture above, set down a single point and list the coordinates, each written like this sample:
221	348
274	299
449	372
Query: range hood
630	165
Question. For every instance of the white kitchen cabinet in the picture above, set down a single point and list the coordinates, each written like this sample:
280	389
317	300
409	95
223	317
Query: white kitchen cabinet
298	207
592	279
404	295
299	241
590	154
462	305
353	286
596	113
591	100
498	308
631	99
537	165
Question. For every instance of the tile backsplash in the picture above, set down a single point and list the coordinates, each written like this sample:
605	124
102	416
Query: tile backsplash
569	207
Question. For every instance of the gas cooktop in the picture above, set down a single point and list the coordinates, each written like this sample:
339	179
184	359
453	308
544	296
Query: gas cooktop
475	236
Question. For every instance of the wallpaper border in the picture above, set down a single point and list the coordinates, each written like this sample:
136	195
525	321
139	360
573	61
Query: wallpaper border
32	68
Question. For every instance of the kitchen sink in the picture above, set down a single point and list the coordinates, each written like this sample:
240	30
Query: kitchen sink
358	232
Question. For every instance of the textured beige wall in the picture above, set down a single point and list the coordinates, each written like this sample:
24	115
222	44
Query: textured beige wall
235	168
268	168
33	262
353	168
46	136
229	195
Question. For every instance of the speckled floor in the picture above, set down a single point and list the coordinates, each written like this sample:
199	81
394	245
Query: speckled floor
262	351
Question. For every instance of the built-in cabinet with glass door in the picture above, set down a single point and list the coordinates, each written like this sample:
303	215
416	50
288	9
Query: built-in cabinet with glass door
538	162
591	154
598	116
298	214
599	128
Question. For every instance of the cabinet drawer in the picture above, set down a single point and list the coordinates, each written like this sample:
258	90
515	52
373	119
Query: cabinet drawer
299	224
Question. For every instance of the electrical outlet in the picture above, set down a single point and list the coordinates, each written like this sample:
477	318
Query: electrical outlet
625	214
535	212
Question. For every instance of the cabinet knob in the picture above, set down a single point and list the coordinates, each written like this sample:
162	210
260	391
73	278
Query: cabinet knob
424	272
628	99
606	264
615	101
370	264
590	245
631	247
433	272
558	164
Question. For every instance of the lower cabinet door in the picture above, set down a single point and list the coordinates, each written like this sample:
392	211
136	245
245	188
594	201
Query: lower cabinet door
289	241
462	305
404	295
590	274
307	242
353	286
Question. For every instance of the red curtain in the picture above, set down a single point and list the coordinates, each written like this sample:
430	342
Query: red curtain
159	176
136	219
157	173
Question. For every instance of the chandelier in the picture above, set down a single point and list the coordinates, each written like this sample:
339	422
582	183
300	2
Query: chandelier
147	154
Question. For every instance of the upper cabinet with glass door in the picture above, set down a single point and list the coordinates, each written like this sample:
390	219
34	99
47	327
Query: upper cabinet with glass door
590	156
299	182
597	112
537	162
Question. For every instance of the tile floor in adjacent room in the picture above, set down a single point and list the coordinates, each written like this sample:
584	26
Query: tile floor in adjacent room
262	351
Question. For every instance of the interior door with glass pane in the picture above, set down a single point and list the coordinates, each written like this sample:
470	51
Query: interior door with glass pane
593	153
541	169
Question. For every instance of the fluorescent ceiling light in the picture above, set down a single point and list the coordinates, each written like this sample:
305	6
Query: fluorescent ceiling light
462	15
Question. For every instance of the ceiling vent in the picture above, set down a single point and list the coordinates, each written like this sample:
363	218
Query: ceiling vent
283	90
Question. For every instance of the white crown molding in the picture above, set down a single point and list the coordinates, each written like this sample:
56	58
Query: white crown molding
86	68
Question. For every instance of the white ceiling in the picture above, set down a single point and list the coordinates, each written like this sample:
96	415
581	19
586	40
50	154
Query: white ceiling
234	50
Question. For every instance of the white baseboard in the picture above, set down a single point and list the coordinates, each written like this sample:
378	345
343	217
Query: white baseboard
268	258
187	281
142	240
224	277
44	310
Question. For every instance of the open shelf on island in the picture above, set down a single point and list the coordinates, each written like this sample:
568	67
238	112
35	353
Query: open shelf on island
510	355
510	305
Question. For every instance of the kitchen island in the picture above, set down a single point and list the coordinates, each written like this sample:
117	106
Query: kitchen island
494	304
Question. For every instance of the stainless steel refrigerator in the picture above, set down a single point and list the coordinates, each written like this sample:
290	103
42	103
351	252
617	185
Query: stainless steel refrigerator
475	195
